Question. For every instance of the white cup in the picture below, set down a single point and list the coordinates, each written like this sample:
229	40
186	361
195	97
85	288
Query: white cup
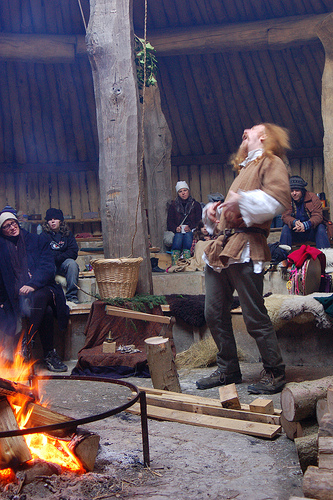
183	228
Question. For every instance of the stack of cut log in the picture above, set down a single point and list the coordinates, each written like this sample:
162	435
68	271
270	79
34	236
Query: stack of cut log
307	417
258	419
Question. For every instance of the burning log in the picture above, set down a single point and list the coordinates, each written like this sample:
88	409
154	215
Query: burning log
84	445
41	415
13	450
35	469
9	388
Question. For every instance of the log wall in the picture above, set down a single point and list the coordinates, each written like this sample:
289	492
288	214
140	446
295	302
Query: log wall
76	193
205	179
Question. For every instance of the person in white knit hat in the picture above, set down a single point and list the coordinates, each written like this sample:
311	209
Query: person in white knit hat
183	216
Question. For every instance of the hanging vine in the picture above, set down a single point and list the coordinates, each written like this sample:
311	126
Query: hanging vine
151	63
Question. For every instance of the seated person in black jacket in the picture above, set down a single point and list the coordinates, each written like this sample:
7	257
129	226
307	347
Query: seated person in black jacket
28	290
64	249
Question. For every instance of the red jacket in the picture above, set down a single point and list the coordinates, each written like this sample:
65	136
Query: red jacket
313	207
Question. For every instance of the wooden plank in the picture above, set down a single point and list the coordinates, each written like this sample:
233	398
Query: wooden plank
44	193
127	313
214	410
183	417
64	194
192	398
195	182
75	193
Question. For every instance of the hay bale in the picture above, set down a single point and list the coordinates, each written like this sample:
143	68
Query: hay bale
201	354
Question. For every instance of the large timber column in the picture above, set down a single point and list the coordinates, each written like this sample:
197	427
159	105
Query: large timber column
158	144
110	41
325	33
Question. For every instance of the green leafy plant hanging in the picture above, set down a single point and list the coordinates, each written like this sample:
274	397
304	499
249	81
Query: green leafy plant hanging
151	62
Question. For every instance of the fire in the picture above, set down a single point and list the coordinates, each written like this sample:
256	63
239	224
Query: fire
41	446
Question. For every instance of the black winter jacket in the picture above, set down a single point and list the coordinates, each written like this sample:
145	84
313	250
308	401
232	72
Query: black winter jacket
63	246
42	272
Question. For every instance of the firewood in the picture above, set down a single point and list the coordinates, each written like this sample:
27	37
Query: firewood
84	445
292	429
13	450
326	425
37	468
161	364
298	400
307	450
321	409
9	388
325	452
229	397
261	405
41	415
330	399
318	483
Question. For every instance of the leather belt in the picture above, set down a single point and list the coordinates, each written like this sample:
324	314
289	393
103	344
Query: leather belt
235	230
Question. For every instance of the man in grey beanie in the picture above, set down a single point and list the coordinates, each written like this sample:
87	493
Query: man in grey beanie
303	221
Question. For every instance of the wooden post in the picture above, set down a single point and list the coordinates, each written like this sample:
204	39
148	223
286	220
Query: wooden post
325	33
110	47
161	364
158	143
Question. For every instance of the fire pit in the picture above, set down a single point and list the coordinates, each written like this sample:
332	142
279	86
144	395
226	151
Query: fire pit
68	424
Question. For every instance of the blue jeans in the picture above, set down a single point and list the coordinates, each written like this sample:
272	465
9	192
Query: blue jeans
182	241
70	270
317	235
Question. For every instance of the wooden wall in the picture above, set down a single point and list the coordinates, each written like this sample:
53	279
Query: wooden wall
76	193
205	179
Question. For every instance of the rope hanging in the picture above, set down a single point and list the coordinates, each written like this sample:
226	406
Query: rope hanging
82	14
142	128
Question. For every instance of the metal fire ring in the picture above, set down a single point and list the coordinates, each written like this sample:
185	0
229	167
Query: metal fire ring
140	396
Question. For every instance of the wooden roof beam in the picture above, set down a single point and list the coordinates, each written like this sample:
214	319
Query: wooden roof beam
269	34
50	49
274	34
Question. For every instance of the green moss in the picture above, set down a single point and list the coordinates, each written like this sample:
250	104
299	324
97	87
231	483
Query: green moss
136	303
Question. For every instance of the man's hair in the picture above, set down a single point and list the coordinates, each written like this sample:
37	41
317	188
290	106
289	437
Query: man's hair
276	143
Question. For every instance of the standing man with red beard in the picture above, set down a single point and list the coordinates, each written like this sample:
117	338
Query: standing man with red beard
235	260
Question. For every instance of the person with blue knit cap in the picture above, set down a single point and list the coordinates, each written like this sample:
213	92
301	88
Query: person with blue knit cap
303	221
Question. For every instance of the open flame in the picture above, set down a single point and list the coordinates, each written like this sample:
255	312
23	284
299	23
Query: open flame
41	446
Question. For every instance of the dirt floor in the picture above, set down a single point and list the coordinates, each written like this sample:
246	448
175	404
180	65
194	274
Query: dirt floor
186	461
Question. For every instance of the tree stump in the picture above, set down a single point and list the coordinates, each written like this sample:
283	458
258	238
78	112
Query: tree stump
162	365
299	400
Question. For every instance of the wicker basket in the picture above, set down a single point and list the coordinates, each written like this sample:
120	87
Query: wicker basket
117	277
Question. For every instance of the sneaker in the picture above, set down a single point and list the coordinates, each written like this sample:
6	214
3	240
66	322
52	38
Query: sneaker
74	300
54	363
268	384
219	378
